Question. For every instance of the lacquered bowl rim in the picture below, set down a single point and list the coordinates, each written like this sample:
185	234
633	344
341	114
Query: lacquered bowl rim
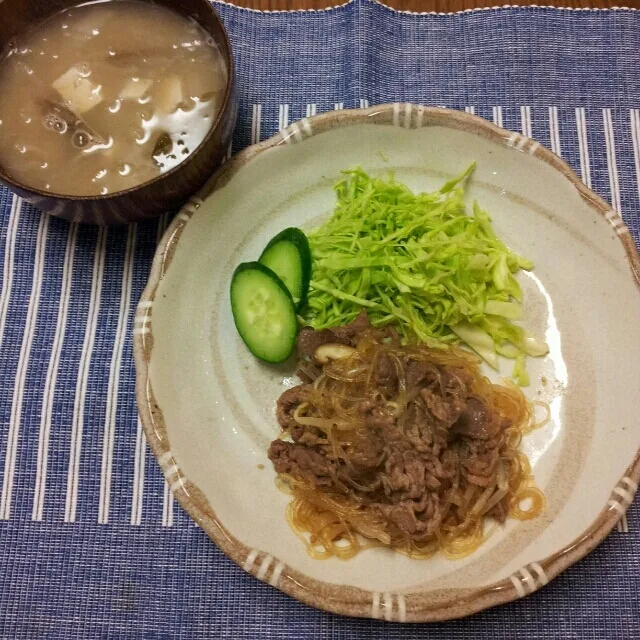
225	45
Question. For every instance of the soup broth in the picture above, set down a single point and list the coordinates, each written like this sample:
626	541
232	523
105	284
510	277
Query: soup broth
105	96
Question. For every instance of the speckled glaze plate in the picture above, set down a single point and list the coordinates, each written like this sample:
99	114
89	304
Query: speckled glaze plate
208	406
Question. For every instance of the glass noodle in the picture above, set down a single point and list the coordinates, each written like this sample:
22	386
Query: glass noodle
342	523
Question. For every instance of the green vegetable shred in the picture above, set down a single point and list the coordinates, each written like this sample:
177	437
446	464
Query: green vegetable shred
422	263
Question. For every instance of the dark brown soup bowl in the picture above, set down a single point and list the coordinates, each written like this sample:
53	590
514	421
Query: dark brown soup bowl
169	190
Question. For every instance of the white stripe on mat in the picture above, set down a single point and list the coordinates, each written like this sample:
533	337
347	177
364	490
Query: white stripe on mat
583	145
525	121
311	110
138	475
167	506
9	259
554	131
283	116
83	377
256	123
634	116
52	375
612	164
497	116
623	525
23	365
114	377
470	109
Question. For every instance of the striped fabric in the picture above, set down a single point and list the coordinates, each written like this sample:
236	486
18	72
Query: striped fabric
92	543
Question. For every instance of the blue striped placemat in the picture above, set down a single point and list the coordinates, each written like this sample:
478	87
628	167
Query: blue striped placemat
92	545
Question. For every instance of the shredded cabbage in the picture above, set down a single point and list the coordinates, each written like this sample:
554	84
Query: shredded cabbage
421	263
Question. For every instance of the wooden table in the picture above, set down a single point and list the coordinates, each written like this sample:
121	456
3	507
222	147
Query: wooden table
433	5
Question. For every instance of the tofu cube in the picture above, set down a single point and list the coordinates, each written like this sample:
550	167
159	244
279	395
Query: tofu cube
135	89
77	91
170	94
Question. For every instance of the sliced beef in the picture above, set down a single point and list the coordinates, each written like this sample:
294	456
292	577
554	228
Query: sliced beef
418	431
287	403
350	333
407	450
500	511
368	450
445	409
404	476
379	418
311	436
386	374
403	515
448	464
476	422
302	462
309	340
417	519
481	461
420	372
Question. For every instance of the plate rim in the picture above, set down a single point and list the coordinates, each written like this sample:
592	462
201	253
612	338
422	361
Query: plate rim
418	606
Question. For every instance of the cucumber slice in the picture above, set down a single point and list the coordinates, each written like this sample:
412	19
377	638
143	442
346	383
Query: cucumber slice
288	255
264	312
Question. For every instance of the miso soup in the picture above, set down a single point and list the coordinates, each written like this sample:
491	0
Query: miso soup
105	96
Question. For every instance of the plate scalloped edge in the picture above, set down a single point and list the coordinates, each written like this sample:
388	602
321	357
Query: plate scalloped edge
426	606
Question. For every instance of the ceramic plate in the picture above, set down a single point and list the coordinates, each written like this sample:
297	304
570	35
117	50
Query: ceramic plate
208	406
